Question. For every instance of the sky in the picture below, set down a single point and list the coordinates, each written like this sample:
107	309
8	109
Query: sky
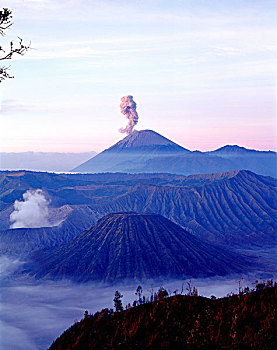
202	72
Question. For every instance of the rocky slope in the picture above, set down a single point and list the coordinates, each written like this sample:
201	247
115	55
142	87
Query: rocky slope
135	246
239	210
235	208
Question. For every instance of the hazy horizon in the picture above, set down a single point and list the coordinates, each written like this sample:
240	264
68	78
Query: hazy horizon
109	145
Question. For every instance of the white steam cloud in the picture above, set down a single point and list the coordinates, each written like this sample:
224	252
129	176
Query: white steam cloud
128	108
31	212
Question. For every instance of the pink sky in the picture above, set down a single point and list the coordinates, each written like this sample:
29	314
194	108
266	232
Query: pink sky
202	74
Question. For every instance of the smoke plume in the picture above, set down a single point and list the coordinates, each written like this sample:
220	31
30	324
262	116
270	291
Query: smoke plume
128	108
31	212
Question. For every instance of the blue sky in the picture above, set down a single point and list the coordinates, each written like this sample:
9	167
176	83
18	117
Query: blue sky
203	73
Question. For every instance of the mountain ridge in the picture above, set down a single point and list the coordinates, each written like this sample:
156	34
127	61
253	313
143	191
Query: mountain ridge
238	149
235	208
146	151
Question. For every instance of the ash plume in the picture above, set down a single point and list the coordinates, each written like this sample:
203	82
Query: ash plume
31	212
128	108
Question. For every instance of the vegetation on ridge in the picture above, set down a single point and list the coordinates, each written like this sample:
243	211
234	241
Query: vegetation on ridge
181	322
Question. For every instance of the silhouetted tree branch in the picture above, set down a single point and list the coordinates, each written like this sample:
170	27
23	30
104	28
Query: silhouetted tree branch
19	48
5	20
4	73
117	301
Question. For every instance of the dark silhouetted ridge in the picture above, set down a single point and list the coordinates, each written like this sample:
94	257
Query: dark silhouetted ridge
245	321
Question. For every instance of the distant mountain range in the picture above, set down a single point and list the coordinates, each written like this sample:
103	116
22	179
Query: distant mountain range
146	151
135	246
233	208
42	161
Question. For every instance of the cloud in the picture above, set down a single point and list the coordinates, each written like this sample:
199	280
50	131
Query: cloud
35	313
44	310
13	337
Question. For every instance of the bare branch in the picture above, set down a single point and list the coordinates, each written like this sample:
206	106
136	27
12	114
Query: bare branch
21	50
4	74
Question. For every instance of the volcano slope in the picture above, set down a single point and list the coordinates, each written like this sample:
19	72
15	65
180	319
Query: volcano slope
131	153
135	246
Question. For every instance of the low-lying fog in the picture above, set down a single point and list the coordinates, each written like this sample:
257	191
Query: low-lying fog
33	314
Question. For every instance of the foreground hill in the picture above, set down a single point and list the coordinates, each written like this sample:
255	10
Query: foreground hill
136	246
244	321
234	208
146	151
